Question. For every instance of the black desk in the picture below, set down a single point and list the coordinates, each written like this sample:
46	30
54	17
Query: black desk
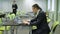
12	24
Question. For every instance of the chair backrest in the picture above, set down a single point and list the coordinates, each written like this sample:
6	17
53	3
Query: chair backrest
1	32
18	13
11	16
54	25
3	27
48	20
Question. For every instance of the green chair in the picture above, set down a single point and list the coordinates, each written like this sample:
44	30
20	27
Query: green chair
48	20
18	13
2	28
11	16
22	13
1	32
54	25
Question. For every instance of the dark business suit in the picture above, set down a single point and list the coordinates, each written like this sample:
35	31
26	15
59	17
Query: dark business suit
41	22
14	6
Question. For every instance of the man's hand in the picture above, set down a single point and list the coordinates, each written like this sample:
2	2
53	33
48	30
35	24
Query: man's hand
26	22
13	8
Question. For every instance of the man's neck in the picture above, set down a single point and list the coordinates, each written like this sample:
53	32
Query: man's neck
36	13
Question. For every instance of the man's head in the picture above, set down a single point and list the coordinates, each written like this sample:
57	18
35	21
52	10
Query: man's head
14	1
35	8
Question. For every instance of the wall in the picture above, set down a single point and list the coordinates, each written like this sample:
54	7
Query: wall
59	10
23	5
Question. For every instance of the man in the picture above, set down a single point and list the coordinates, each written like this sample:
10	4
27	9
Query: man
40	22
14	7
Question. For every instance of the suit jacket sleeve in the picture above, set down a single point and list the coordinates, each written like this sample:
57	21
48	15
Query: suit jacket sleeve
38	19
16	6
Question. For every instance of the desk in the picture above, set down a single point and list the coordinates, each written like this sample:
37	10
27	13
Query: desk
12	24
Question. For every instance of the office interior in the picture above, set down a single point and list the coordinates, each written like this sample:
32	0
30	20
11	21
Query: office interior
51	7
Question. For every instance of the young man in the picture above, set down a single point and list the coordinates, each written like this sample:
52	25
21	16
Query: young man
14	7
40	22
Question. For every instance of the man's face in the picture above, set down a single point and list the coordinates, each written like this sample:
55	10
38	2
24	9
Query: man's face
34	10
14	2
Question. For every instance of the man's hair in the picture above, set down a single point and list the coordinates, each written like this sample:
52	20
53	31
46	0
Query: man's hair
36	6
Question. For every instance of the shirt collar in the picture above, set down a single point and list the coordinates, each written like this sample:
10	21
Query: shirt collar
37	12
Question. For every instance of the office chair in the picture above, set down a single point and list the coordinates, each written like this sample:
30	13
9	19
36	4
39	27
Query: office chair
54	25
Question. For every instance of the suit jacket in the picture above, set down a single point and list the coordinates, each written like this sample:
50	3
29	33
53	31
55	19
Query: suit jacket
14	6
41	22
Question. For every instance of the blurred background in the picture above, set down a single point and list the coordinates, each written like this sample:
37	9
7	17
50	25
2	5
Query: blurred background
51	7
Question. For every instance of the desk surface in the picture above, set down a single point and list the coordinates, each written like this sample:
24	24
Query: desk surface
13	24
